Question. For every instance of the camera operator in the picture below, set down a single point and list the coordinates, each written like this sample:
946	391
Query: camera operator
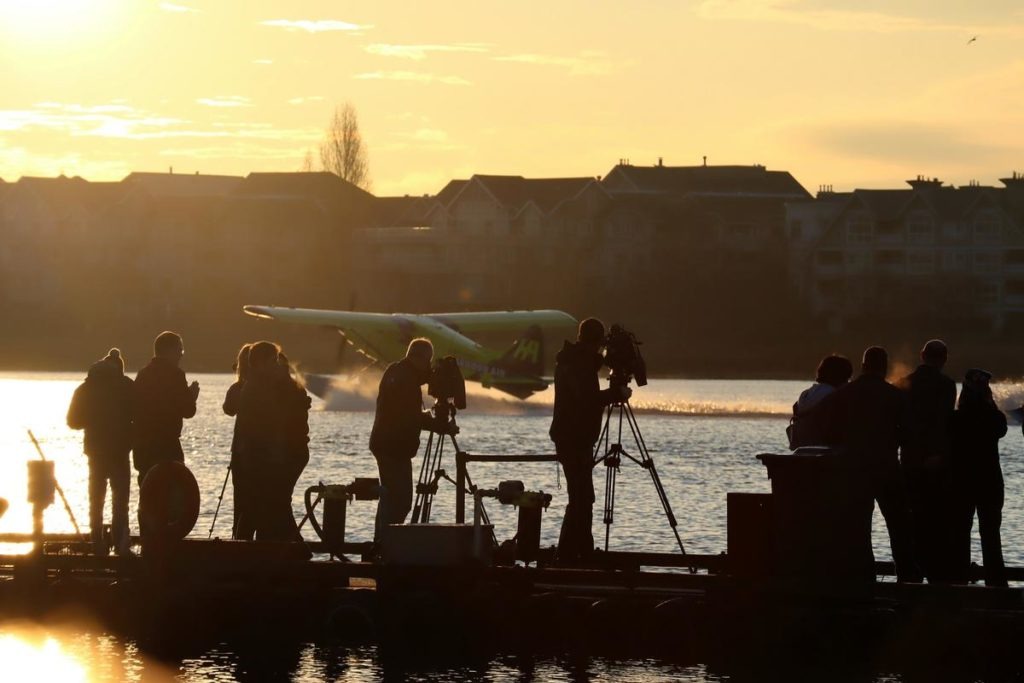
395	437
575	428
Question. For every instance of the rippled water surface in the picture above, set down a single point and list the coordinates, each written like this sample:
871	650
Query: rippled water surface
703	436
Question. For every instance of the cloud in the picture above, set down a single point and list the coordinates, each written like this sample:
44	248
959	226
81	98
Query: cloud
239	150
904	142
304	100
225	101
419	52
171	7
120	121
589	63
806	13
113	120
36	163
314	26
412	76
428	135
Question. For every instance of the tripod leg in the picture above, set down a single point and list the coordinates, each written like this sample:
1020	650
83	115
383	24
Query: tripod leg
648	463
428	497
426	468
611	471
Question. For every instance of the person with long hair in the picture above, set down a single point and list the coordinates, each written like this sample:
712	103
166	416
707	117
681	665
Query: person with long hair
242	528
272	441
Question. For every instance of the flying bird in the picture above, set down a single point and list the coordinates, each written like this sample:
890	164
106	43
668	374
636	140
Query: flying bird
972	40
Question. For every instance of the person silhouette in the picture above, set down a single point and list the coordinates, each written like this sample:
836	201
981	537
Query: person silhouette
926	458
977	427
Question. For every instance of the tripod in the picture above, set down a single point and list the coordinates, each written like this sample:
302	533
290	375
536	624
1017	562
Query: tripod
430	469
611	455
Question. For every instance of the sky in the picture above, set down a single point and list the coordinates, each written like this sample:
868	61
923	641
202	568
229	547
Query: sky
847	93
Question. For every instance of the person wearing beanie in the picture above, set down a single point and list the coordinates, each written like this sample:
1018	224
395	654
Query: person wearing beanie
102	406
978	424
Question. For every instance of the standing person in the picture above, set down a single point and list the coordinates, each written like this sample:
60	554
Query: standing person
242	527
102	406
978	426
866	420
807	426
575	428
163	399
272	443
926	458
397	423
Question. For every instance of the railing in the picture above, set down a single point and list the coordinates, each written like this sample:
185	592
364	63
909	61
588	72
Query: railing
462	476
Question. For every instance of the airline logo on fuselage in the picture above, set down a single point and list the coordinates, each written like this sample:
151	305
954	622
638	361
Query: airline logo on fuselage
475	369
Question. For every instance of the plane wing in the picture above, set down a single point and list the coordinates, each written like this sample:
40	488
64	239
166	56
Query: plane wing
501	321
382	336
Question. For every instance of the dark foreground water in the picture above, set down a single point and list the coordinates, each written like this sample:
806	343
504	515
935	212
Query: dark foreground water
703	436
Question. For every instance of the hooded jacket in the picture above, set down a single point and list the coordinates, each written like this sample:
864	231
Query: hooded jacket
103	406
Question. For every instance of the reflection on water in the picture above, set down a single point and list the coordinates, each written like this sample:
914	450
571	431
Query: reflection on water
29	652
703	436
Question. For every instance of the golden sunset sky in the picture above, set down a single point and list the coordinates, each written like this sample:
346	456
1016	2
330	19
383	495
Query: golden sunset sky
850	93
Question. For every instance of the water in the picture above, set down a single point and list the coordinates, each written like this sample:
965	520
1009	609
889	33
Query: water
703	436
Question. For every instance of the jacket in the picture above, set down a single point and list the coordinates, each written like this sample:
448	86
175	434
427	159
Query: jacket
272	428
579	400
400	416
928	434
866	418
162	402
103	406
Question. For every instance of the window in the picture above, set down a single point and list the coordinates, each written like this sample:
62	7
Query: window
987	293
921	262
956	260
987	227
920	228
858	229
986	262
858	260
889	257
1014	288
830	258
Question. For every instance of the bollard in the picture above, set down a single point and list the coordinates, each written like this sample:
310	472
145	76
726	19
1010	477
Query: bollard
42	484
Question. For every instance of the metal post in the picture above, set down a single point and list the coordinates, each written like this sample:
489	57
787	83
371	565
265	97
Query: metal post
460	487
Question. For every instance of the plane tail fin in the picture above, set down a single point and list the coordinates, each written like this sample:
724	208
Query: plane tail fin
523	365
526	355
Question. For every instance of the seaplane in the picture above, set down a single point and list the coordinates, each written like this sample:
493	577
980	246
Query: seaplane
383	337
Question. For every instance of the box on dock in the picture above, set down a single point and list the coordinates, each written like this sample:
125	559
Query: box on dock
435	545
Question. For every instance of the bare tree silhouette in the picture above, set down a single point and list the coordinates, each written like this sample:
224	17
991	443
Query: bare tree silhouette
342	152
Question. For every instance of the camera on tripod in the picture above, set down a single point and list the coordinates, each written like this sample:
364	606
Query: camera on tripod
446	382
622	356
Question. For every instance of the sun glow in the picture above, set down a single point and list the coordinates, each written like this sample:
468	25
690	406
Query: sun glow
48	20
38	657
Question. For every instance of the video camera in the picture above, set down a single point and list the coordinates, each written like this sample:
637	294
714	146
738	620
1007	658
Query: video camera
622	356
446	382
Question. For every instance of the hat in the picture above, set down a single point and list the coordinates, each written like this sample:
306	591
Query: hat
977	375
114	358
